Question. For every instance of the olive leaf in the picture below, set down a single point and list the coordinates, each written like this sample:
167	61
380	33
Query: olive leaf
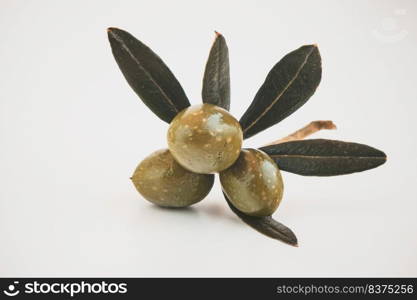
320	157
148	75
267	226
216	81
290	83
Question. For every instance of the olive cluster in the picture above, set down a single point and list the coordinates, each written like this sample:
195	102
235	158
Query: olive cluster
202	140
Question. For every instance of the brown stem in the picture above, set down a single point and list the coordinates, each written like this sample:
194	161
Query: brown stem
307	130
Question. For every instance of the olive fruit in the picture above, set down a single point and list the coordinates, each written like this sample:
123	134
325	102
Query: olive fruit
205	138
253	184
162	181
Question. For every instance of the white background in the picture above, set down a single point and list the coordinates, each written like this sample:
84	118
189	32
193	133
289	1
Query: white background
72	132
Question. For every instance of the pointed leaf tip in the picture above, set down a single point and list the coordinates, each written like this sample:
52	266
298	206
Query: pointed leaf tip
148	75
218	34
267	226
288	86
113	31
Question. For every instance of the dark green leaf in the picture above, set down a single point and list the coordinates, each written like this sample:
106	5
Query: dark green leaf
216	82
147	74
267	226
320	157
290	83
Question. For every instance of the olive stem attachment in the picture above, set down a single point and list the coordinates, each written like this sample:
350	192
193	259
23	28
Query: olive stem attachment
304	132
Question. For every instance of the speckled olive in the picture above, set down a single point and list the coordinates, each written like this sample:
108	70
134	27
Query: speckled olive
162	181
205	138
253	184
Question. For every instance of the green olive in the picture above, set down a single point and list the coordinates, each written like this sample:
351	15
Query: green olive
205	138
253	184
162	181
